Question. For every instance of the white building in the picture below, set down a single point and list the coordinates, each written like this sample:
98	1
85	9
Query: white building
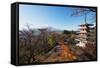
83	34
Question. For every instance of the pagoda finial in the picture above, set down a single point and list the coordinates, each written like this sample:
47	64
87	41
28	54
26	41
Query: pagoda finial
85	19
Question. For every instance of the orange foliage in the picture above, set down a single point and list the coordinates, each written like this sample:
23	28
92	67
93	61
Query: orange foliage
66	53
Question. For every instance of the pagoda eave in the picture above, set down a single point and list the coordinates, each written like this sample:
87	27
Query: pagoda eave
86	24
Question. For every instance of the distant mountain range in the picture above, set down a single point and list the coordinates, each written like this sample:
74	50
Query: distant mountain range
49	29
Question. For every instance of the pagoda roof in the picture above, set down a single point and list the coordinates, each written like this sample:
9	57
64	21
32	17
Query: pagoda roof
86	24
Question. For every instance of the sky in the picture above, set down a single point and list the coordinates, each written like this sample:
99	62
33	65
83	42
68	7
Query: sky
37	16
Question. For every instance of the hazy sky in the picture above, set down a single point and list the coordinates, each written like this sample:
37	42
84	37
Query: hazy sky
48	16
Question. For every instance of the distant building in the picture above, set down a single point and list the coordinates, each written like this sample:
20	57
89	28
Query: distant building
83	33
